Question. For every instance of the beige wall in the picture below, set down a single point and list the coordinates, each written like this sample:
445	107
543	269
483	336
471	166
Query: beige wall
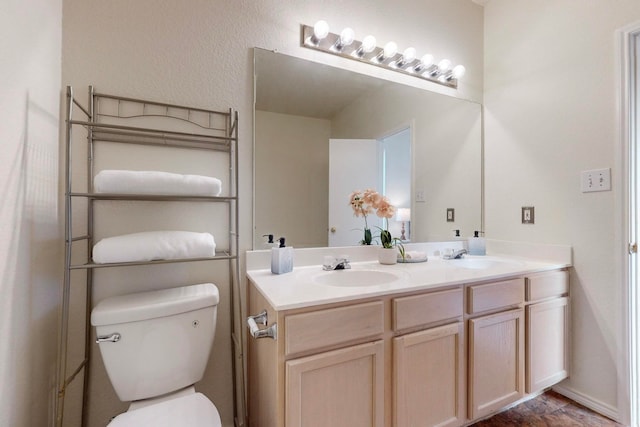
30	222
550	98
199	53
292	146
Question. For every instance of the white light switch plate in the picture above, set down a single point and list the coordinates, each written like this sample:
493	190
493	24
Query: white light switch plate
595	180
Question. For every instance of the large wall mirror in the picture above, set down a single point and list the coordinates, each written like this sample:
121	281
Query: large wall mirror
302	108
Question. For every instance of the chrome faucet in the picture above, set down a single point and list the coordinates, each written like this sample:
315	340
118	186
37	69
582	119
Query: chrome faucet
454	254
335	263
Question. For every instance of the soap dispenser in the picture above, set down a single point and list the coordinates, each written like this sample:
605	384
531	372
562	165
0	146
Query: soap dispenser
477	245
456	235
270	243
281	258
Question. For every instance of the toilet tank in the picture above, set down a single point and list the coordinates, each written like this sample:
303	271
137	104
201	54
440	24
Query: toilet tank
165	338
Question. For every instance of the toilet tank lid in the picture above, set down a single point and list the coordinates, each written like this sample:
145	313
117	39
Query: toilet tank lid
153	304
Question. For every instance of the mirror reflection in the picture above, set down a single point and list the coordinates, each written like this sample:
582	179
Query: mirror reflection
322	133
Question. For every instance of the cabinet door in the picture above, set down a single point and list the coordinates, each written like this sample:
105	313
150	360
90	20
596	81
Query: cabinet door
429	377
496	361
341	388
548	343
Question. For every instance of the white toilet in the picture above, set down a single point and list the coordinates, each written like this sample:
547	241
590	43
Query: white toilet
155	346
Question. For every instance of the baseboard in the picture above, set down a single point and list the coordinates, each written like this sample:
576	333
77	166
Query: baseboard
593	404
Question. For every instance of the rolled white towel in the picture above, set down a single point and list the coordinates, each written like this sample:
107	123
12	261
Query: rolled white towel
415	255
154	245
155	182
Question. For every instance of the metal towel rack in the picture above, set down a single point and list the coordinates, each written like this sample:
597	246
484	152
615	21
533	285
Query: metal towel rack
215	131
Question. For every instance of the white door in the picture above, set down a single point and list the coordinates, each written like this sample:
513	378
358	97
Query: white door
631	143
354	164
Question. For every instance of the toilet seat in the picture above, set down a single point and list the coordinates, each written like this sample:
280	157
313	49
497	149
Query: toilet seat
193	410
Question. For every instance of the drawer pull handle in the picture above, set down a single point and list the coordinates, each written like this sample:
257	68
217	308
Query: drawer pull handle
256	332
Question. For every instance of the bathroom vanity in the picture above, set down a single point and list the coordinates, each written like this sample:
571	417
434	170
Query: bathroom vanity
437	343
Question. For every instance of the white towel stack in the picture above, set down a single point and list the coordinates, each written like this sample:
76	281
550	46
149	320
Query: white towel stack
154	245
155	182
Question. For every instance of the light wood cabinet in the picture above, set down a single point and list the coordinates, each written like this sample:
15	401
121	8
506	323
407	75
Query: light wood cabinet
320	329
495	296
428	360
426	309
428	377
341	388
438	357
547	330
496	361
327	366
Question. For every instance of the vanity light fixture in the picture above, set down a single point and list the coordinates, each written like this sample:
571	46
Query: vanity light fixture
318	37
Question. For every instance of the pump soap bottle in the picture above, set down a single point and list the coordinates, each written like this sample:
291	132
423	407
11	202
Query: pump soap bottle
477	245
270	243
281	258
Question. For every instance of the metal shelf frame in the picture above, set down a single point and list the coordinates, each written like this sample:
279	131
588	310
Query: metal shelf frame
223	138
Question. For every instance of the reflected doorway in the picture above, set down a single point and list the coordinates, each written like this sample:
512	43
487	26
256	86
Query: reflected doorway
382	164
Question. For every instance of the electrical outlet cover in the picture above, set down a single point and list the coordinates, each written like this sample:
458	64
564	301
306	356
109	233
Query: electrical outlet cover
451	215
528	215
595	180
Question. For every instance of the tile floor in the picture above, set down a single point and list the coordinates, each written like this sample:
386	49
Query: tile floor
548	409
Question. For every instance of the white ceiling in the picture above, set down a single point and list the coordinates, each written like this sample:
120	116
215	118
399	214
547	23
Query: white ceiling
286	84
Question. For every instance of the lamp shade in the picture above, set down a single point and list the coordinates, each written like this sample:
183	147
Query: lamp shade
403	215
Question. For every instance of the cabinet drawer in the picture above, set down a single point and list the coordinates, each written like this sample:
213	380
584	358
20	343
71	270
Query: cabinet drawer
325	328
495	295
418	310
547	285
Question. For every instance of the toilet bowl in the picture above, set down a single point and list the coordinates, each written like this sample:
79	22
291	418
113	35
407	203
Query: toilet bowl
193	410
155	346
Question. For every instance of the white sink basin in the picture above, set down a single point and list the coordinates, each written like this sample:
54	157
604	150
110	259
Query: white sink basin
482	263
351	278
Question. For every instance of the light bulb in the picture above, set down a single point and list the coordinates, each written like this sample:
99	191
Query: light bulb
444	65
390	49
346	36
409	55
458	71
368	44
425	62
320	30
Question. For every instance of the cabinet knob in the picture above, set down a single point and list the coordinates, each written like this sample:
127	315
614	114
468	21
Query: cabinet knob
333	229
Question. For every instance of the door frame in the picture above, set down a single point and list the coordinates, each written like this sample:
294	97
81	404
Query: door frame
628	79
411	125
